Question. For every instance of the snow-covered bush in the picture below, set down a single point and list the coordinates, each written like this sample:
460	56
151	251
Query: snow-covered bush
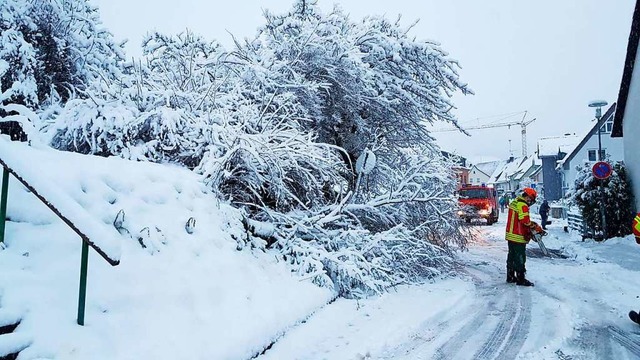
617	200
51	50
277	126
157	111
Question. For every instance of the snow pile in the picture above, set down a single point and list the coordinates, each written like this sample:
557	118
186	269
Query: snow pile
551	146
181	296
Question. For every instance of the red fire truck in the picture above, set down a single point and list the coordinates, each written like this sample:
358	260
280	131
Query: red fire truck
478	202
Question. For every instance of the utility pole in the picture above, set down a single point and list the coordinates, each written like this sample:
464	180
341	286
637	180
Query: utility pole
598	104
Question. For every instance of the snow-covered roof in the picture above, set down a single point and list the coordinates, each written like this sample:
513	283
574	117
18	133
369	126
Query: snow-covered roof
497	172
487	167
551	146
507	170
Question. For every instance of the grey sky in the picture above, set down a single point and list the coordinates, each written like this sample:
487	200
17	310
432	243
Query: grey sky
549	57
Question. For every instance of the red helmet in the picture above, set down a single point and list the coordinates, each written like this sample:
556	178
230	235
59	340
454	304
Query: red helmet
530	193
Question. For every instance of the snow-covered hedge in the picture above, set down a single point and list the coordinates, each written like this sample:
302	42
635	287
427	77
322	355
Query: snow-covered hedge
615	197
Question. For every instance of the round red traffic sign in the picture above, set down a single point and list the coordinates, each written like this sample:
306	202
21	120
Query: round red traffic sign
601	170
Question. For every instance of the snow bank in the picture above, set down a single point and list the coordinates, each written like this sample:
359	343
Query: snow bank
185	295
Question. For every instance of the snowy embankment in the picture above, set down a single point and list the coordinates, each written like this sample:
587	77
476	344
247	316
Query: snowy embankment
183	296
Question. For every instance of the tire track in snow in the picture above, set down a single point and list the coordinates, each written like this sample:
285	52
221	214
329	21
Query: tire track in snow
508	335
425	334
520	329
623	338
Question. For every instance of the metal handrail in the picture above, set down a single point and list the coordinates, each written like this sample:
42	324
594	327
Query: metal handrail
86	242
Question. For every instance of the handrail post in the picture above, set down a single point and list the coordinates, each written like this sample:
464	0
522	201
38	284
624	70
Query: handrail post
3	202
82	295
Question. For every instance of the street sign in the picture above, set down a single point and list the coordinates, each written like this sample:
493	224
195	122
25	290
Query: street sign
601	170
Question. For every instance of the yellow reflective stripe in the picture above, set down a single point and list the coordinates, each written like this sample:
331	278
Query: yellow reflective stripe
512	220
636	224
521	213
516	238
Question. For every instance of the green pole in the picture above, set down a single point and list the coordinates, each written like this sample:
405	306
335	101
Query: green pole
3	202
83	282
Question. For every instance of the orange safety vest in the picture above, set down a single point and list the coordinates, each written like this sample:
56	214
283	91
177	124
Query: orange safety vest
636	225
518	221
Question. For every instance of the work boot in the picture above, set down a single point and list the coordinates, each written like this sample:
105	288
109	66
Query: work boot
511	275
634	317
520	280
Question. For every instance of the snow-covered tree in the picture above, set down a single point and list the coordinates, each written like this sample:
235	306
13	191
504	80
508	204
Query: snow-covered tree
616	197
364	84
316	128
51	50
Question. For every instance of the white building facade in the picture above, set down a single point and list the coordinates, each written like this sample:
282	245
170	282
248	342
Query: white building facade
586	151
627	118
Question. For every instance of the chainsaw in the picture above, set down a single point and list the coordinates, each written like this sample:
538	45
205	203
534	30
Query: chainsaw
536	235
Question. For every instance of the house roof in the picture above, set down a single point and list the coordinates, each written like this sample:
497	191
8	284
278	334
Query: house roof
510	170
551	146
487	167
525	168
630	60
535	171
497	172
573	152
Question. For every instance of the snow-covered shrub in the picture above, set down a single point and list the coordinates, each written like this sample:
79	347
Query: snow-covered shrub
103	127
362	246
157	111
277	126
267	162
51	50
617	200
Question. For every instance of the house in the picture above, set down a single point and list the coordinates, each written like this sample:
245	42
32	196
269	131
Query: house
536	176
626	122
586	151
480	173
522	176
550	151
505	178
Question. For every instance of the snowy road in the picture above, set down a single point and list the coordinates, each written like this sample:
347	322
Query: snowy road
577	310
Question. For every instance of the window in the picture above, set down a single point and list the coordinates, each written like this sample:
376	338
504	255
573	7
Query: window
592	154
474	193
607	127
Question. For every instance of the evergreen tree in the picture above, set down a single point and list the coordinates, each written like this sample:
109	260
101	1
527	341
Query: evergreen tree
617	200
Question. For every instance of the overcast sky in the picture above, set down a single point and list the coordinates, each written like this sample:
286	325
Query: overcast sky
548	57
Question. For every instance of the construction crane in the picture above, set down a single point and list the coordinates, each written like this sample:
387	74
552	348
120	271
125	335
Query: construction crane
523	125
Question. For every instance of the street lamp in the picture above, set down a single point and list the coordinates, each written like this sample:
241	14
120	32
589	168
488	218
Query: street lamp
598	104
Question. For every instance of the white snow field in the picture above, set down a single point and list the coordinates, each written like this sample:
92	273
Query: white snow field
184	296
195	296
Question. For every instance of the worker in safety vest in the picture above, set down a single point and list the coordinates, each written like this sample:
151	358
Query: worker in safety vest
635	226
518	234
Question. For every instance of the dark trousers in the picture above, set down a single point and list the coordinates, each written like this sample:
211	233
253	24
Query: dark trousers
544	217
516	256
